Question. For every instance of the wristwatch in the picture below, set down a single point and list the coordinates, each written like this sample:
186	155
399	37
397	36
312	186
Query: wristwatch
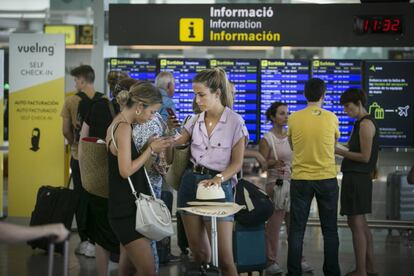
219	175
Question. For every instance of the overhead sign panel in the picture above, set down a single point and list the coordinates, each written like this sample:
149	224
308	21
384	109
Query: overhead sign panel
388	24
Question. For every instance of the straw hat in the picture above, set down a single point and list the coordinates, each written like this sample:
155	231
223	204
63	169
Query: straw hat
210	202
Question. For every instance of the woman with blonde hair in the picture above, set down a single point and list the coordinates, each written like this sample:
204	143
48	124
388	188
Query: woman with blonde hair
218	137
138	106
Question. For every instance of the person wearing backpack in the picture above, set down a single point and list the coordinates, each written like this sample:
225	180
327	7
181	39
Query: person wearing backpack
73	114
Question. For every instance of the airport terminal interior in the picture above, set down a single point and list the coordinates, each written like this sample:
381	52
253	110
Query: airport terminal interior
268	53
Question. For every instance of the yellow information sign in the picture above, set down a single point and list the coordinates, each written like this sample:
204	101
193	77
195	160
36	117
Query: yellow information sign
68	30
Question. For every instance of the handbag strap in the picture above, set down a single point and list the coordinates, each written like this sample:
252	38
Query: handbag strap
270	136
134	192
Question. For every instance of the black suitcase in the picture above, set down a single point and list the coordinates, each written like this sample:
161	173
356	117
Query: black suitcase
53	205
399	203
164	245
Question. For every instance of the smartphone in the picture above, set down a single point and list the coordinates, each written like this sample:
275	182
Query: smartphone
170	112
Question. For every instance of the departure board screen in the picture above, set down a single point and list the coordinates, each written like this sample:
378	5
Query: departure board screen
338	75
139	69
243	73
183	70
282	81
390	87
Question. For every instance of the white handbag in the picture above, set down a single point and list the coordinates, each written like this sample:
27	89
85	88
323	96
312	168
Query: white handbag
281	193
153	219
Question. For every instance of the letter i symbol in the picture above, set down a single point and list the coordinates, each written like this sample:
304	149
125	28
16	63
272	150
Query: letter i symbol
191	29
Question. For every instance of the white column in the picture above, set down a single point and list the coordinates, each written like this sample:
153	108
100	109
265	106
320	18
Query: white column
101	49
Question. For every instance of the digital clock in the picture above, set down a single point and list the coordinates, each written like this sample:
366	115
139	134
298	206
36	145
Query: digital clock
367	24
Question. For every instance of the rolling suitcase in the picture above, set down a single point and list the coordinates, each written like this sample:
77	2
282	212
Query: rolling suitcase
195	269
249	248
399	203
164	245
53	205
51	254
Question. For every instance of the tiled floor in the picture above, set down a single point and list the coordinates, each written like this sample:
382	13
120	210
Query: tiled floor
393	256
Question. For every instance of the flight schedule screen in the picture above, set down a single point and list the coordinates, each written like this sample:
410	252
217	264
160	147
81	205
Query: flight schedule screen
282	81
183	70
243	73
139	69
390	87
338	75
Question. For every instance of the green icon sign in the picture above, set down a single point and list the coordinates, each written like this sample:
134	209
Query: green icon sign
377	110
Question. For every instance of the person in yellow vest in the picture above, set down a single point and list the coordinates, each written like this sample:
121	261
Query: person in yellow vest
313	133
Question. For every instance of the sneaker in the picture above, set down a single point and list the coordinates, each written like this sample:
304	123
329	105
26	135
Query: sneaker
80	250
306	267
273	269
90	250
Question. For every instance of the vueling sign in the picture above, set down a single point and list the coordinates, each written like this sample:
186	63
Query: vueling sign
191	29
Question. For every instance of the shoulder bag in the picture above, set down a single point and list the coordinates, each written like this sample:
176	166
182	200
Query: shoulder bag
94	166
181	157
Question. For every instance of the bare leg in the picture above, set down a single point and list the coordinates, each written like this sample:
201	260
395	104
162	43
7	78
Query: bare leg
273	226
140	255
357	224
125	267
225	247
370	249
102	260
197	238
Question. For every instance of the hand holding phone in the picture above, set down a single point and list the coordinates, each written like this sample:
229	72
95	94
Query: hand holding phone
172	119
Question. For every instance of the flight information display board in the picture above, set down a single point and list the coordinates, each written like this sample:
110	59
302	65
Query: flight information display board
183	70
338	75
243	73
390	100
282	81
139	69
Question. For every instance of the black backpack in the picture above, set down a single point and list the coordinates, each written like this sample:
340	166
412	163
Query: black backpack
259	207
83	109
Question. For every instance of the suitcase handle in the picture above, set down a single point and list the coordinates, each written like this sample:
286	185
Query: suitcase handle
51	252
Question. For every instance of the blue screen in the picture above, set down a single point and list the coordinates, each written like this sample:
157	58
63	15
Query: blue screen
282	81
183	70
243	74
139	69
338	75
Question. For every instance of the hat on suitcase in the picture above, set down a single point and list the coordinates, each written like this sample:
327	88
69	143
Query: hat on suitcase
210	201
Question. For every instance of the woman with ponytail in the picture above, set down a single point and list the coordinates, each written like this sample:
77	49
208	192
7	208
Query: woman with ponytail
218	138
137	106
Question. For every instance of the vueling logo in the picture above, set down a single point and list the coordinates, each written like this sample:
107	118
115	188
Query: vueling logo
191	29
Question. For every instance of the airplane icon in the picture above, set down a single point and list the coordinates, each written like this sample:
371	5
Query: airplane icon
403	111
